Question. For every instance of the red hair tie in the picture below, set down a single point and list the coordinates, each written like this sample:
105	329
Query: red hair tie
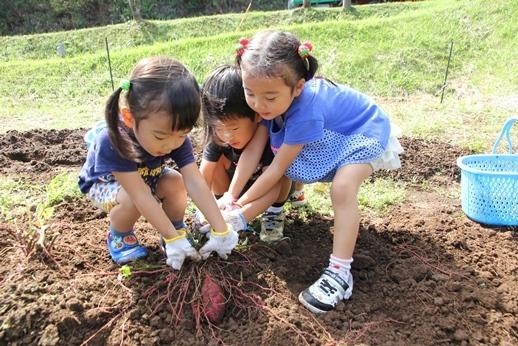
241	46
305	50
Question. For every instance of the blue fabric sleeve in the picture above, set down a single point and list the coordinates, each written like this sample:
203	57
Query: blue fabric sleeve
184	154
108	159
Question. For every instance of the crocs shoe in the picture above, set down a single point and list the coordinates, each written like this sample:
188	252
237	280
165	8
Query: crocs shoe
124	249
272	226
296	198
326	292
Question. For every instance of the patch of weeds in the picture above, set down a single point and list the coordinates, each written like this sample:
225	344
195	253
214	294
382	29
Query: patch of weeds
380	194
476	145
62	186
30	207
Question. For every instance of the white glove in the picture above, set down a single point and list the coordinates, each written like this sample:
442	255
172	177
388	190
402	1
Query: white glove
221	242
234	217
226	201
178	248
199	220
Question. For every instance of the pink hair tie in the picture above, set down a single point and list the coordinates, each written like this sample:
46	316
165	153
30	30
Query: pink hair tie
241	46
305	49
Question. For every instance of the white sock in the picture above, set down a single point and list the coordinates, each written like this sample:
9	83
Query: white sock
340	266
276	210
297	193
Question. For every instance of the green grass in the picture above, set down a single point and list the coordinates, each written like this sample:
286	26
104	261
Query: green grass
17	198
375	196
380	194
395	52
133	34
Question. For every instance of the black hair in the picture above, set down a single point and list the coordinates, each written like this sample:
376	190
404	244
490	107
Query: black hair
157	84
223	98
275	54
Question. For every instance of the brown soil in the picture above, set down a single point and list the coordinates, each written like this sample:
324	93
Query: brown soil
424	274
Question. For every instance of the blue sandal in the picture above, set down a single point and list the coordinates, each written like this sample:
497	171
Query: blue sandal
125	248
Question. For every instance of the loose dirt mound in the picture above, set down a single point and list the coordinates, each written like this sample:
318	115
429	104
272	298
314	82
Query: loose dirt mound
423	273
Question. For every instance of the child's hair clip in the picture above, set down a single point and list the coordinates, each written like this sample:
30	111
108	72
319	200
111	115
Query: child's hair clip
305	50
241	46
125	85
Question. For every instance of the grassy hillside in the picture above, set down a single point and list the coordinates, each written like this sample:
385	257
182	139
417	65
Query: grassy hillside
132	34
396	52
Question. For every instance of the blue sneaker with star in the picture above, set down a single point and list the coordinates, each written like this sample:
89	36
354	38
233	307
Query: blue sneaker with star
124	247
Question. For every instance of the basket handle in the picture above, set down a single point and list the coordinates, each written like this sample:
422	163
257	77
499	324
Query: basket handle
505	132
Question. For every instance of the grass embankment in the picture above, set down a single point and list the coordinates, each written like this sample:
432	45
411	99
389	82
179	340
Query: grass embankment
394	52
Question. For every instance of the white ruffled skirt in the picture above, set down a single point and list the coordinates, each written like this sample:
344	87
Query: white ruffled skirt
390	157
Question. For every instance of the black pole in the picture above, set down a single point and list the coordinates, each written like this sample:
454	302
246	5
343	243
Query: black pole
447	69
109	61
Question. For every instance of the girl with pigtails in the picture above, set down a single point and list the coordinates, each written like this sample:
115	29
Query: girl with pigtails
126	174
318	131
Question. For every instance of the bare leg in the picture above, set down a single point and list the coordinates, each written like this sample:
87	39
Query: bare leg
285	186
221	180
171	191
124	215
344	196
298	185
258	206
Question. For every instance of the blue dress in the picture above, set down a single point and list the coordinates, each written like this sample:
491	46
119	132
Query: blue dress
337	126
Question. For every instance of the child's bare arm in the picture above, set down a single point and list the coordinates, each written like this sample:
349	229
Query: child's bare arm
140	194
201	196
207	169
248	161
283	159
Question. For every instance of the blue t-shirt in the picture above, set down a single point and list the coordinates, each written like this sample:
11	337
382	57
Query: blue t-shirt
336	124
103	159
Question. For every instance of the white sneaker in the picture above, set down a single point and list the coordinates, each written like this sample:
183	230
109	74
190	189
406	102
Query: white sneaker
272	226
297	199
326	292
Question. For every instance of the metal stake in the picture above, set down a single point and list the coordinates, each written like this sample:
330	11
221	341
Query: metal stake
109	61
447	69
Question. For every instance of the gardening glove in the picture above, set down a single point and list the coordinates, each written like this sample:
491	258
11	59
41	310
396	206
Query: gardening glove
221	242
226	201
200	221
234	217
178	248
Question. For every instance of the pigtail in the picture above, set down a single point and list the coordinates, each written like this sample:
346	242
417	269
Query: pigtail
312	67
117	133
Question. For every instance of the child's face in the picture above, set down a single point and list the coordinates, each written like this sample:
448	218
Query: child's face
269	97
154	134
236	132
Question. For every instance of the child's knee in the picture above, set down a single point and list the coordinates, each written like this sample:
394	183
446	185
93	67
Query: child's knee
170	183
344	191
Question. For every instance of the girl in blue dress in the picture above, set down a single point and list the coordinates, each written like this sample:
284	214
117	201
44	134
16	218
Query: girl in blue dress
319	131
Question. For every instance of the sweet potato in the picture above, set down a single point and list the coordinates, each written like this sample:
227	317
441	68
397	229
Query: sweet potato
213	299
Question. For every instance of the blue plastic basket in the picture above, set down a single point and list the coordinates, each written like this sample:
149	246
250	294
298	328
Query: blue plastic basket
489	184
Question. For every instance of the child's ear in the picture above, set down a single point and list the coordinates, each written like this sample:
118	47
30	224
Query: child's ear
258	118
127	117
299	87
